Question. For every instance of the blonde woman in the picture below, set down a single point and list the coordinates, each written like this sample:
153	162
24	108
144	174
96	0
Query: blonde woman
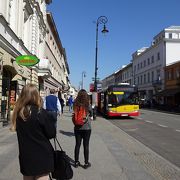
34	127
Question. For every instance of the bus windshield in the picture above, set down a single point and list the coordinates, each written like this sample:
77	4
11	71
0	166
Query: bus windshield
124	98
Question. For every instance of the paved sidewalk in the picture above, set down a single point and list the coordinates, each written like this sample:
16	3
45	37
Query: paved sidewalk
114	155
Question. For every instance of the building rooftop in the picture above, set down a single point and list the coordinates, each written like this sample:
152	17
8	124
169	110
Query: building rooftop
173	28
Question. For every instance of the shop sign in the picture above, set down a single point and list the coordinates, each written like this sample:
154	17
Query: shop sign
91	87
27	60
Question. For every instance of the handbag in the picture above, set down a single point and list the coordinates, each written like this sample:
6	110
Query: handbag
62	165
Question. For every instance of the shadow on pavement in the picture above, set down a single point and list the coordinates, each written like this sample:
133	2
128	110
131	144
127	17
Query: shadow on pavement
66	133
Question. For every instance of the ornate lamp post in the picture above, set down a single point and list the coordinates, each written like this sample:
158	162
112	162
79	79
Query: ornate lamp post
100	20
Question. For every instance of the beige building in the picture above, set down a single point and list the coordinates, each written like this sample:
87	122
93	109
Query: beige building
24	30
53	68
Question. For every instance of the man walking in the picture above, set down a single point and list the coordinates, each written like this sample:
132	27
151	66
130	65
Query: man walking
52	105
70	103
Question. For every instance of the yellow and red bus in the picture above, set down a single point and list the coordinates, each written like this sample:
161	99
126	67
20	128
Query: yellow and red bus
118	100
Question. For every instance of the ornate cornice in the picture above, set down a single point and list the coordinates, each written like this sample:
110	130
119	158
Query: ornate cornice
48	1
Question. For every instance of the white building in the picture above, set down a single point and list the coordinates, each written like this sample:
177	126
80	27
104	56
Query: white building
124	75
149	63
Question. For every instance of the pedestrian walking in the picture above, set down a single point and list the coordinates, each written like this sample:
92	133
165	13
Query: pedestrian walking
52	105
61	100
34	127
82	132
62	104
70	103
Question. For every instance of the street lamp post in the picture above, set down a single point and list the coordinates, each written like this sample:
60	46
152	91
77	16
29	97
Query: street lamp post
100	20
83	76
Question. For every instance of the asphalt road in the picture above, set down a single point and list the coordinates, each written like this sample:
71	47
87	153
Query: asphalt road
157	130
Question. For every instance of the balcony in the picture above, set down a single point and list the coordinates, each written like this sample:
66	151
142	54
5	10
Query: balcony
157	83
44	68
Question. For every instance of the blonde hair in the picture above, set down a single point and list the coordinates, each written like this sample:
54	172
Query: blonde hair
29	96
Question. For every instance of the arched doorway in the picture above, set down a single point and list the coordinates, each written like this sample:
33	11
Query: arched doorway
8	92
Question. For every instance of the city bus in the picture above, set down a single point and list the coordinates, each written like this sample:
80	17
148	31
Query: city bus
118	100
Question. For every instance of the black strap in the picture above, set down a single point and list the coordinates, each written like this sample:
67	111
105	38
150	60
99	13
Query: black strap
56	141
50	177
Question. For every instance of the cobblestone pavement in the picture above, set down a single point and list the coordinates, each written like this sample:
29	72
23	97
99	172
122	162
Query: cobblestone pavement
114	155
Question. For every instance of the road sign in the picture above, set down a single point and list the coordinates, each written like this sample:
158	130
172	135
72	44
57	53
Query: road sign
97	79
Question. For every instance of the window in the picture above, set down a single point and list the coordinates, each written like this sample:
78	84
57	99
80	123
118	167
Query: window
170	35
152	59
144	63
148	61
144	78
148	80
177	73
135	81
152	76
169	75
141	79
158	75
158	56
141	64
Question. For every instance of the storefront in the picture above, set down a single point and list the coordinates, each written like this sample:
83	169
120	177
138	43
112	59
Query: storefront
12	78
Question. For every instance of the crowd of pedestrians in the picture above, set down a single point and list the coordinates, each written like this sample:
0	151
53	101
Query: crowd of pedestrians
35	122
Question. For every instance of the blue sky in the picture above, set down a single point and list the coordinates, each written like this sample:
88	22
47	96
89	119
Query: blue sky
132	24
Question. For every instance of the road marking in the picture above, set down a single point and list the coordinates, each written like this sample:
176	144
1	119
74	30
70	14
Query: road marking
132	129
177	130
162	125
149	121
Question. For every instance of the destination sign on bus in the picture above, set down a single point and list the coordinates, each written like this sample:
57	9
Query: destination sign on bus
126	89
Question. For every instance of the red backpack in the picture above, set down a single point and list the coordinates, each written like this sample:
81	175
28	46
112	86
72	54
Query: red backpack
79	116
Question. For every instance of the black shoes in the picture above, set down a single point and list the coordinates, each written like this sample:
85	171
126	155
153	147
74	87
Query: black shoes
87	165
77	163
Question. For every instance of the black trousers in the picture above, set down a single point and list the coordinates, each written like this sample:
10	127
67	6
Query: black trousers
54	115
79	136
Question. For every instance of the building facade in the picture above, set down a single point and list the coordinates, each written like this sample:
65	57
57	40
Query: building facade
110	80
149	63
24	28
171	93
124	75
53	68
151	67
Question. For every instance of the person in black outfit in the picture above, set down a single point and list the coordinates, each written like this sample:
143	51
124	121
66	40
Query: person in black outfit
62	104
34	127
83	132
61	101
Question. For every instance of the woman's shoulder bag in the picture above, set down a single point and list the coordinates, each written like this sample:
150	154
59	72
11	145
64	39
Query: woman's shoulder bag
62	165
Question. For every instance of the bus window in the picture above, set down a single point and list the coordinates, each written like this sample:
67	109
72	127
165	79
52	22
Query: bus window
112	99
